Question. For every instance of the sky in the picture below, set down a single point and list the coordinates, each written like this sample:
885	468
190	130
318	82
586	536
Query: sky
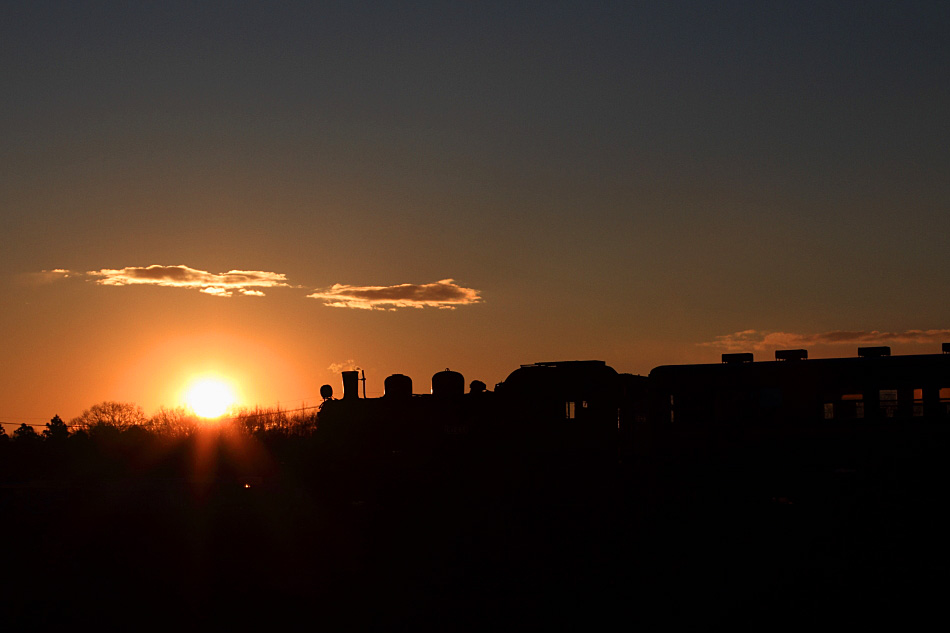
275	192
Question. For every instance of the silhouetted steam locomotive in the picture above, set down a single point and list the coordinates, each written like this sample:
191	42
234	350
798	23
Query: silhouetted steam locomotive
588	404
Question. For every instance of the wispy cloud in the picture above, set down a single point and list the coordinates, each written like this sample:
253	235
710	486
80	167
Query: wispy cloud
49	276
444	294
758	340
245	282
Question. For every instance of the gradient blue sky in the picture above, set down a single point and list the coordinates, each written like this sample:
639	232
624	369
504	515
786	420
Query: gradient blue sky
633	182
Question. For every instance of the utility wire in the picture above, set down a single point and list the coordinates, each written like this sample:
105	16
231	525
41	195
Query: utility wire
269	412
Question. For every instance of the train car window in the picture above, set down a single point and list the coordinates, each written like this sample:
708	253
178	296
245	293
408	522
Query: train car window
569	412
853	404
918	403
944	395
888	402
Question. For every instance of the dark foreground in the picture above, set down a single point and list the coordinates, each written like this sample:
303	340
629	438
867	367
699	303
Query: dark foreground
776	536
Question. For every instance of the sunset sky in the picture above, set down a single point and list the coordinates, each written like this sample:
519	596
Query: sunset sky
273	192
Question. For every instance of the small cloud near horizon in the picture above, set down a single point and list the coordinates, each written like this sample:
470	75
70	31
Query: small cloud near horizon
444	294
244	282
758	340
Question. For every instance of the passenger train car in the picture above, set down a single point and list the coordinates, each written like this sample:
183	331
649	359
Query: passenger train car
587	404
873	387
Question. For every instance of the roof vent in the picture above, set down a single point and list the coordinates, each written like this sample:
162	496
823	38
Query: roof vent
874	352
743	357
791	354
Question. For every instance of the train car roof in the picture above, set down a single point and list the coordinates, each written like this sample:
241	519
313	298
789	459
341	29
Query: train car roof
904	368
551	376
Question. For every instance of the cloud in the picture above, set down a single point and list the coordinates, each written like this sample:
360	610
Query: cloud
226	284
216	292
445	294
49	276
757	340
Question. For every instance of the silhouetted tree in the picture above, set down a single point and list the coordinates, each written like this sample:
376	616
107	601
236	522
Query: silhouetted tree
259	420
177	422
56	430
25	434
275	421
4	438
119	415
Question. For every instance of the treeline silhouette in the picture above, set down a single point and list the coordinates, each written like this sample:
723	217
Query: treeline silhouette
115	516
117	439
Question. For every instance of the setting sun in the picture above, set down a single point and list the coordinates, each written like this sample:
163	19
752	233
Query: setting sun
210	397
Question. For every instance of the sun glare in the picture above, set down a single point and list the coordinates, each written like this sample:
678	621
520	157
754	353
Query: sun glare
210	397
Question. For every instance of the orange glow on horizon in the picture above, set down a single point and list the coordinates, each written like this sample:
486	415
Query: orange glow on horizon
257	369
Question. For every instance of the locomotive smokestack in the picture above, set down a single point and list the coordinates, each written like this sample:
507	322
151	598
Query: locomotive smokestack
351	385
